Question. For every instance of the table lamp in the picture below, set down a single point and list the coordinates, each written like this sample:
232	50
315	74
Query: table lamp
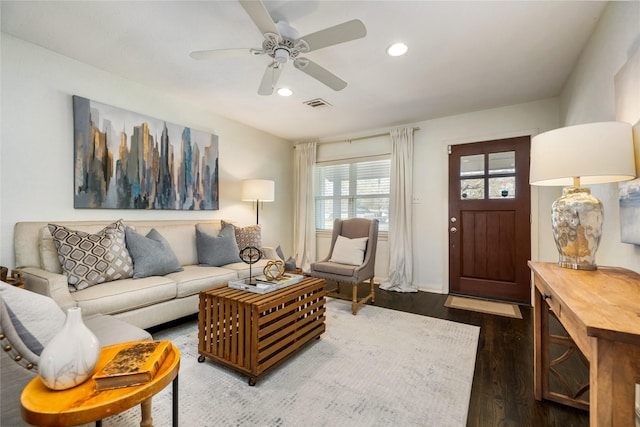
257	190
591	153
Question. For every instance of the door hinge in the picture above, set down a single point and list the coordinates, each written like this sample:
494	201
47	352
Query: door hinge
449	148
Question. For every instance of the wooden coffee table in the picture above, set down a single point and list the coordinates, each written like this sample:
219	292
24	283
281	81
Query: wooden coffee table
252	333
82	404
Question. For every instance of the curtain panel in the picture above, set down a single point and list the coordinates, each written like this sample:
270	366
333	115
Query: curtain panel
304	229
400	213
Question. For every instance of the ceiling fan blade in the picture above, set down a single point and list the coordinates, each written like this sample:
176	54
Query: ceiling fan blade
260	16
270	78
319	73
347	31
217	53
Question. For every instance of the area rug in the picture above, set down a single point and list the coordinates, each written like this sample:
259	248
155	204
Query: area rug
379	368
483	306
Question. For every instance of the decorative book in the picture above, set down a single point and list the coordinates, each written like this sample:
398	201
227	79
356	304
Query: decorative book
264	286
288	279
133	365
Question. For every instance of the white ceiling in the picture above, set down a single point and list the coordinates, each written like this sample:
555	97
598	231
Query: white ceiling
463	56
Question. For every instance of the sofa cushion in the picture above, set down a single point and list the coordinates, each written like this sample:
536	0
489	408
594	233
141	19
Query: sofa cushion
151	254
246	236
111	330
48	253
181	237
89	259
47	248
331	269
196	278
217	250
125	295
349	251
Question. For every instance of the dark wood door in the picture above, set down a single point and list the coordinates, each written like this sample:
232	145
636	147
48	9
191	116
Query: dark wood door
490	219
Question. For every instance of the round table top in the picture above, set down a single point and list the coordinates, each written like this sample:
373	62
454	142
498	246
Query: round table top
83	404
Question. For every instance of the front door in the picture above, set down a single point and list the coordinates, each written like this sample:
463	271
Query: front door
489	219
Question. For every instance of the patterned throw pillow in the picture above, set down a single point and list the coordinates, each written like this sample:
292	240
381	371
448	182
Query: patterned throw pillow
89	259
247	236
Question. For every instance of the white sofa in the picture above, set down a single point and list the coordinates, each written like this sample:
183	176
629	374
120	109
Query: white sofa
144	302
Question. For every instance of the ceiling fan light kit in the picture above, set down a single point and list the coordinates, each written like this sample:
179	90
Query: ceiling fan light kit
285	91
397	49
282	43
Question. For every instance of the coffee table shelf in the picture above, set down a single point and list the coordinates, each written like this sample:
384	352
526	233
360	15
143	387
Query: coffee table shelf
253	333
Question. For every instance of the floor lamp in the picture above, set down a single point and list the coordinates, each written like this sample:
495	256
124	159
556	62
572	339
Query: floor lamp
258	190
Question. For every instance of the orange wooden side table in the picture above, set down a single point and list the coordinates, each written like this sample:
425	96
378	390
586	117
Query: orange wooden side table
82	404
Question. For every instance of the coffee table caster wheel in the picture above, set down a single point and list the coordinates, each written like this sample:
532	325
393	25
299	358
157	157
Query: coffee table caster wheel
252	381
201	358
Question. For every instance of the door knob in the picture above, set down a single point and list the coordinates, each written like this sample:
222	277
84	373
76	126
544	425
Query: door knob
453	219
453	229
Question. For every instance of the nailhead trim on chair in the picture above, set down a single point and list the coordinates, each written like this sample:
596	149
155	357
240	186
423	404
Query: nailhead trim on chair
18	358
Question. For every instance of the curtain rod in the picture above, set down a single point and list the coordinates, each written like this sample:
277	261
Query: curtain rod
359	137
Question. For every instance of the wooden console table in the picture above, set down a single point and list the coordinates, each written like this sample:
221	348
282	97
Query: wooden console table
600	311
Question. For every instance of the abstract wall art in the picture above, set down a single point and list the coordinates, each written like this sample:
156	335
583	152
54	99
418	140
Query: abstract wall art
125	160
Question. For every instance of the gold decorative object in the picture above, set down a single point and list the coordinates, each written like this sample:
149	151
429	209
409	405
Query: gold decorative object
269	272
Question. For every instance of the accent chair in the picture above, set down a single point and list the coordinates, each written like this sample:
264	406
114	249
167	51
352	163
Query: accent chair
351	258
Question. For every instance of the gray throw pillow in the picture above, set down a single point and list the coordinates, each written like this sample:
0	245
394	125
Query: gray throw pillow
152	254
217	250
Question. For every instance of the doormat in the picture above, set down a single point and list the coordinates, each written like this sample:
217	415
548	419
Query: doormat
483	306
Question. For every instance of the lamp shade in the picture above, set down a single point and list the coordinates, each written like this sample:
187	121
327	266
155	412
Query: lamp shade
258	189
595	152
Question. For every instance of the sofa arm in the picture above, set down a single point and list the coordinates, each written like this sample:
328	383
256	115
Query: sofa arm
50	284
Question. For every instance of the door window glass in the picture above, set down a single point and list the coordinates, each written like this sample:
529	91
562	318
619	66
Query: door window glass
504	162
502	188
472	189
488	176
472	165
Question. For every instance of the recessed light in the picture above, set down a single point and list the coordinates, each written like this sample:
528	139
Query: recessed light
285	91
397	49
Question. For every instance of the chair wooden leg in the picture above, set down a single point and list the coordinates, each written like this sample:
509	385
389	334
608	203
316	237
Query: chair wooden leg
373	294
354	300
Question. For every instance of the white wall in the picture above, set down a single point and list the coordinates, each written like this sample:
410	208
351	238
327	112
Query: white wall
36	149
589	96
430	180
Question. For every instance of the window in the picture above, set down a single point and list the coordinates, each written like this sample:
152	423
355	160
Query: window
501	176
357	189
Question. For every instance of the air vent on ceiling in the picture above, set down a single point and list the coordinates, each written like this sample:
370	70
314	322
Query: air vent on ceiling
317	103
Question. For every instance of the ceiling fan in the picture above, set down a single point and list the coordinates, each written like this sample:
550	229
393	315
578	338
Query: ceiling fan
283	44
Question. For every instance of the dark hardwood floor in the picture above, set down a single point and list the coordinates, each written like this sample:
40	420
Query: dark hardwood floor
502	391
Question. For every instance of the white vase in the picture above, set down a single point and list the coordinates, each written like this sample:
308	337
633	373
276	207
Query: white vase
71	356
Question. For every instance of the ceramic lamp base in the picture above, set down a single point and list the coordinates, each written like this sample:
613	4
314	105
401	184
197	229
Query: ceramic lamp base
576	220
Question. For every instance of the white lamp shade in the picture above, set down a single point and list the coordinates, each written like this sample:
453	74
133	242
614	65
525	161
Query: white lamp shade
258	189
595	152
